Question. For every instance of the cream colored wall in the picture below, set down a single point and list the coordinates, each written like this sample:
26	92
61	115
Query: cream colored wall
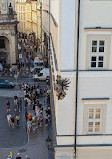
94	152
66	108
92	84
64	153
84	152
95	85
67	32
92	15
55	10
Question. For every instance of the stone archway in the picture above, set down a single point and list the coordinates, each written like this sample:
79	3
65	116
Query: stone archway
4	50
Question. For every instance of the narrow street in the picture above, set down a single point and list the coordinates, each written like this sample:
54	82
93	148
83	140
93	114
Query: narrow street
19	139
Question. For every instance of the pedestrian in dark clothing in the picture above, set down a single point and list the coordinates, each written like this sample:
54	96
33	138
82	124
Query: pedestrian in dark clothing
18	156
8	106
18	120
12	122
34	107
26	116
20	104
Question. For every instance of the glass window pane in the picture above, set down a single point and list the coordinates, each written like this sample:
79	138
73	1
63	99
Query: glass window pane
100	58
90	116
90	129
90	124
98	110
100	64
91	110
97	124
97	116
94	42
101	42
93	64
101	49
97	129
94	49
93	58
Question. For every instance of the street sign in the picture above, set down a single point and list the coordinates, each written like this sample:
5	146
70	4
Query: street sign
20	56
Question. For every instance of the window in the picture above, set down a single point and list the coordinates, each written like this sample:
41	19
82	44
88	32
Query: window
94	123
97	56
2	44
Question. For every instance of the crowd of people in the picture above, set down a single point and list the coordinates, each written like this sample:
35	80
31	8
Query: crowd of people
33	107
35	114
17	108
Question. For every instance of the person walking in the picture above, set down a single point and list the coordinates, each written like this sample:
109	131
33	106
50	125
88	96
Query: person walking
18	156
20	87
9	119
29	126
20	104
12	122
18	119
15	100
46	119
30	116
8	106
26	116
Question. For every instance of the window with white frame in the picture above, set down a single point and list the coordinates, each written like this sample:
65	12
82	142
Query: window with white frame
97	55
94	123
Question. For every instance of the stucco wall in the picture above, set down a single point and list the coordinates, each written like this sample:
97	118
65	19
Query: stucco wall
67	32
66	108
92	15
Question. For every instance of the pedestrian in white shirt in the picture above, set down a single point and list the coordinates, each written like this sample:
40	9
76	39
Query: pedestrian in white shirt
9	119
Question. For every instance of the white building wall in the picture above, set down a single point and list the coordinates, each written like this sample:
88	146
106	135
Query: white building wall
68	34
55	10
95	85
92	15
66	109
92	84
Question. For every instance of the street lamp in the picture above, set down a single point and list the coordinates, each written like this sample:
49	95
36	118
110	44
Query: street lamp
48	143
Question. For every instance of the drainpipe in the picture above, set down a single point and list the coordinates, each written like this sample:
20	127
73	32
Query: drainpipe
77	69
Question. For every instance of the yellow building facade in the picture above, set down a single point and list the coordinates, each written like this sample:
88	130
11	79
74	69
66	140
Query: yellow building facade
20	8
29	17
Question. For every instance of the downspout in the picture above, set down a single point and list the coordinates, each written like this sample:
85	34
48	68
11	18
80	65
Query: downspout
77	74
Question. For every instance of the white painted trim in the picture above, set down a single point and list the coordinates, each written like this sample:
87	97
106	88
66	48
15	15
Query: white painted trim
95	75
99	33
87	102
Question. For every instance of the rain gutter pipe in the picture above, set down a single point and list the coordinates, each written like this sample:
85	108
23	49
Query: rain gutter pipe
77	69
